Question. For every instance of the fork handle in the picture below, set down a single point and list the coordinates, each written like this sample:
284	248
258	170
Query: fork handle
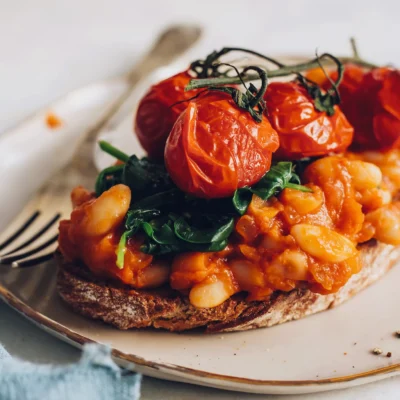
172	43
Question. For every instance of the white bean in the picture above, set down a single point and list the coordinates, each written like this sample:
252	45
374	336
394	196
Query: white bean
296	264
154	275
246	274
209	294
385	196
323	243
386	221
364	175
80	195
106	212
303	202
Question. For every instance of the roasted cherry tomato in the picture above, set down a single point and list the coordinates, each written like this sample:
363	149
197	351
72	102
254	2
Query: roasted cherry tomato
352	101
157	112
381	91
352	77
215	147
371	102
303	131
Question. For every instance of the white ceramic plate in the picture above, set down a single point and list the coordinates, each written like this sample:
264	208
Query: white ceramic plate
328	351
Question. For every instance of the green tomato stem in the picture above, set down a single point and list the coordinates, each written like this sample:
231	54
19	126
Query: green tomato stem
283	71
354	48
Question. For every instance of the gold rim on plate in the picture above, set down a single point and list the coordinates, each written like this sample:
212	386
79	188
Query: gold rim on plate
80	340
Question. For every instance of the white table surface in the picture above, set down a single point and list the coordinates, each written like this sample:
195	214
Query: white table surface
48	47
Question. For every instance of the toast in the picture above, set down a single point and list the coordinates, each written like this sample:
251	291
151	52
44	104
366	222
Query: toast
164	308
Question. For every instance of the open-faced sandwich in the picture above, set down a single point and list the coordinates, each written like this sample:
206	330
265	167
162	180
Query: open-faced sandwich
256	205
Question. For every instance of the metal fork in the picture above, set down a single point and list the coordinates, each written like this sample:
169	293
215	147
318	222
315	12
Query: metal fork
31	238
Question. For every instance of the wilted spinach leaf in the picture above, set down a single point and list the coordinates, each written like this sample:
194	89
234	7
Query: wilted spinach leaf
107	178
171	221
299	166
164	200
175	233
279	177
145	178
219	230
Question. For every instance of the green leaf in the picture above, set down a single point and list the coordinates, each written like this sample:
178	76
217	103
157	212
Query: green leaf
279	177
110	176
156	249
241	199
177	236
221	229
217	246
299	166
145	178
170	198
161	235
173	234
107	178
139	215
174	222
171	221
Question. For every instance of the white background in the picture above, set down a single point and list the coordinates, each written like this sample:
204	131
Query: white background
48	47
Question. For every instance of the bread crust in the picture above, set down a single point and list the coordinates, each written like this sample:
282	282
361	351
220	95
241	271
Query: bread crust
164	308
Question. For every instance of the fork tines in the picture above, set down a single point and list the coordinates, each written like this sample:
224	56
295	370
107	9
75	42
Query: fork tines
32	243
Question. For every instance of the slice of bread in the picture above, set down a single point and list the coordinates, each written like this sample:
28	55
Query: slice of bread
164	308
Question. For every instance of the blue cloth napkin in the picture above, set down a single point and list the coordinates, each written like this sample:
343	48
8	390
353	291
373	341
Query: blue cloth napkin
94	377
